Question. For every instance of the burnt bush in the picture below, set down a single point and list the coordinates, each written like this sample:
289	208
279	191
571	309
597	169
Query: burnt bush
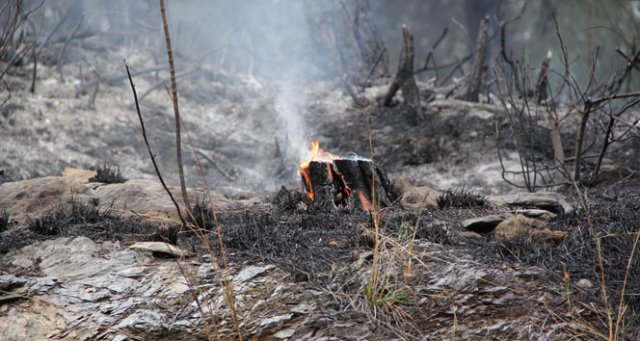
49	224
58	217
108	175
615	226
5	220
460	198
203	216
79	219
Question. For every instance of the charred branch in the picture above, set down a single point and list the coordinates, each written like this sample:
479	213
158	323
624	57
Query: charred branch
430	59
116	79
503	47
151	154
372	49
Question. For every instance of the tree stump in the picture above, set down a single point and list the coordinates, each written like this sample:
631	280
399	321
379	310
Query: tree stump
346	183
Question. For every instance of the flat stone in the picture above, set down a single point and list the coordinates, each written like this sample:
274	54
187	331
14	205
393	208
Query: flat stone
536	213
143	319
531	274
284	333
585	283
274	321
251	272
133	272
484	224
161	247
10	282
304	308
550	201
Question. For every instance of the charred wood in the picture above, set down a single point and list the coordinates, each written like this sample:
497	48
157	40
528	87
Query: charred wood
476	77
347	183
405	79
543	81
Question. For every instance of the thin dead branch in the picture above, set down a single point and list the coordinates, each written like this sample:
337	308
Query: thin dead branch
174	100
115	79
151	154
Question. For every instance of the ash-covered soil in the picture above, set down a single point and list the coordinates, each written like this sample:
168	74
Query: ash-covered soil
440	279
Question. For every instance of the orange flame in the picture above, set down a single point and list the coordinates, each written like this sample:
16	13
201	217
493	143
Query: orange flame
366	205
316	154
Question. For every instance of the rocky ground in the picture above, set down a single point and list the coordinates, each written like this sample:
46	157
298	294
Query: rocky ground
462	254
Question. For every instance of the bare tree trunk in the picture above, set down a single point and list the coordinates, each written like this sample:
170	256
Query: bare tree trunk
543	81
477	72
579	142
405	79
556	142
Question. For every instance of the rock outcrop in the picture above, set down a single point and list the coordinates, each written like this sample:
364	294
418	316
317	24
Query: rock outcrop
29	199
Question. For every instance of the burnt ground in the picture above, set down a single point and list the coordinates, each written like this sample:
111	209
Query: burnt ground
311	244
451	144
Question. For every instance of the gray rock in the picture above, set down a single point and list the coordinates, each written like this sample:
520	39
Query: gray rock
148	197
536	213
10	282
143	319
275	321
250	272
30	199
304	308
550	201
585	283
284	333
133	272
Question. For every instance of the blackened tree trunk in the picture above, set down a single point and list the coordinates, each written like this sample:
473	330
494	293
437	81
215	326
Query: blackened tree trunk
476	78
405	80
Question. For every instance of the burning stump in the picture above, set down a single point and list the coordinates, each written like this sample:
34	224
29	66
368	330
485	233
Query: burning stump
334	182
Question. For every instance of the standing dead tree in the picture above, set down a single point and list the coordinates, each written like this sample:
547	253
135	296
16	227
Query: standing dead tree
15	44
542	85
476	78
372	49
596	107
405	79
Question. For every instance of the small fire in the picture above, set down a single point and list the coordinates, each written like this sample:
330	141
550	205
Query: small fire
318	154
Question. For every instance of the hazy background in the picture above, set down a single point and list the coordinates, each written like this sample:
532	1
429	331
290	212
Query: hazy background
287	46
285	39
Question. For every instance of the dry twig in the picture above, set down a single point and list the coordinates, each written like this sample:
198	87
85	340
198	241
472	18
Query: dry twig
174	100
